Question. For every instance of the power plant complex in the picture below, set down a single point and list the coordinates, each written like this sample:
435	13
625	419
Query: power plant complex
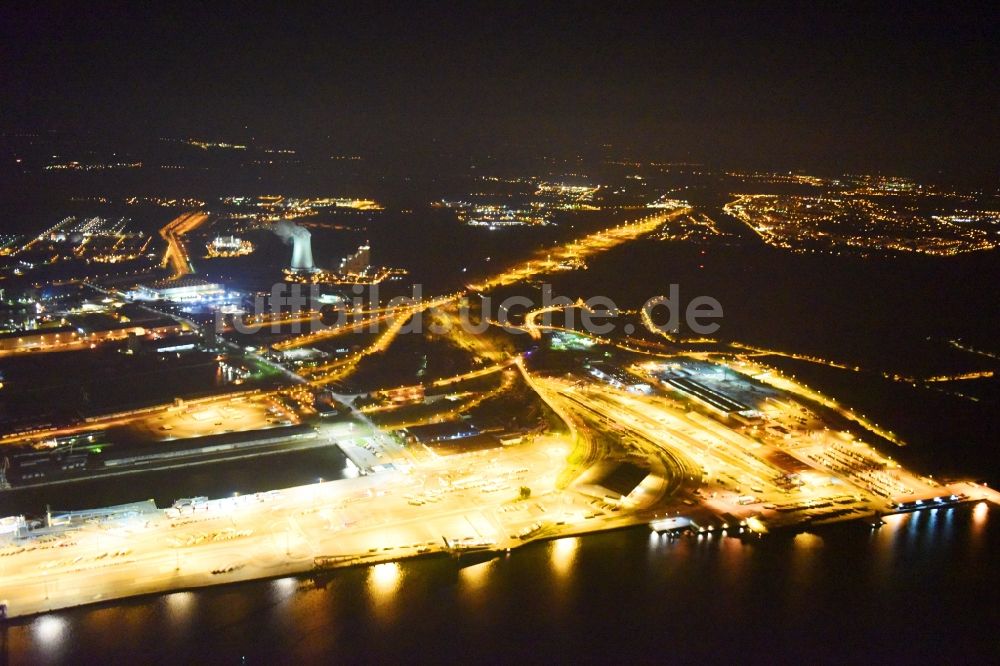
357	263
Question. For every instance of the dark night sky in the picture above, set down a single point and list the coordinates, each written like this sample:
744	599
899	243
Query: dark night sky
842	85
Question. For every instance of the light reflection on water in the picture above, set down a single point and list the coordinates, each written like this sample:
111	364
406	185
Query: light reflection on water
559	578
733	555
384	580
804	556
180	607
562	553
474	577
284	586
979	515
50	630
382	585
913	520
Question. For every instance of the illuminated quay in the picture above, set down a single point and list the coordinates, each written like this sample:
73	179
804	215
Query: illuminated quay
411	502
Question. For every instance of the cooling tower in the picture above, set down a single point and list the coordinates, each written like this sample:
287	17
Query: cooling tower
302	254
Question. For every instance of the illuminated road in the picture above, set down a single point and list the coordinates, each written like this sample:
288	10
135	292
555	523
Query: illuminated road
645	315
328	333
578	398
173	233
463	403
404	312
578	250
334	372
189	419
473	374
281	319
531	319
